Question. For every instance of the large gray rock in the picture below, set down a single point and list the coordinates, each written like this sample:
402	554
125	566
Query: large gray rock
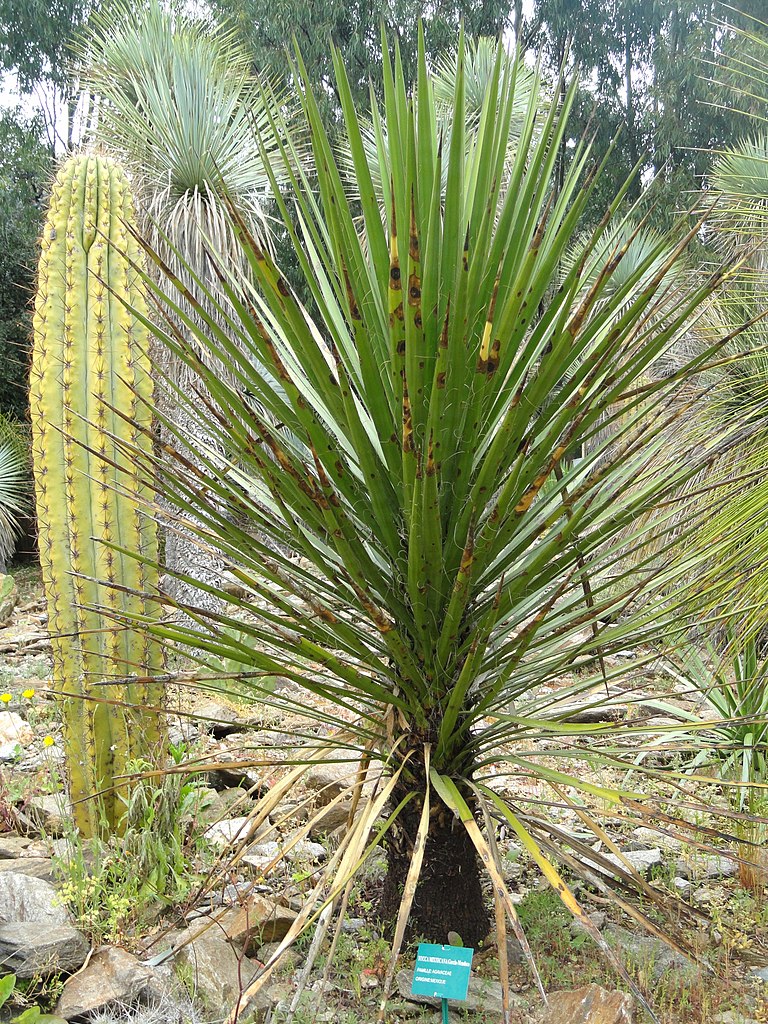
257	921
112	976
216	976
26	899
34	949
590	1005
38	867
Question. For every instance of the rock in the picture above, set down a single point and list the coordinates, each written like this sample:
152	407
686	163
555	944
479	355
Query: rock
329	780
37	867
213	806
258	922
483	996
759	974
706	896
682	885
233	830
331	818
216	975
641	860
711	866
50	814
29	949
306	851
290	960
9	598
30	900
112	976
646	838
250	926
590	1005
220	719
13	846
261	855
657	959
233	776
15	734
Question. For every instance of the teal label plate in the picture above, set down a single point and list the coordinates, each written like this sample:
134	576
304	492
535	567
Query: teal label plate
442	971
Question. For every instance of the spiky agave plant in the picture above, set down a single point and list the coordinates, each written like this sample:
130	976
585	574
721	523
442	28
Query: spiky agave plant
417	459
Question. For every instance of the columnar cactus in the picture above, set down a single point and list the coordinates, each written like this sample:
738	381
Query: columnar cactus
90	403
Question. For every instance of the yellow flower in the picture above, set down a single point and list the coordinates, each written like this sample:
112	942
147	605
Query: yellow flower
48	741
29	694
6	697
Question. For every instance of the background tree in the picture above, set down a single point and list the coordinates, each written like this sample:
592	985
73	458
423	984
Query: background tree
25	165
35	37
355	28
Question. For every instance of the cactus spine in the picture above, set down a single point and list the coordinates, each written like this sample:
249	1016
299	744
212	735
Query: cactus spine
89	358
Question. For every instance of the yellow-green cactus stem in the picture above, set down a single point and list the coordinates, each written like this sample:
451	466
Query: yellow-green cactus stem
90	400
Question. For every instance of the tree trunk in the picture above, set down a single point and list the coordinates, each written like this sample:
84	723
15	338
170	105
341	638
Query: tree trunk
449	897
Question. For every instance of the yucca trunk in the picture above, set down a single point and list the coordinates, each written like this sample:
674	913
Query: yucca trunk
91	405
449	896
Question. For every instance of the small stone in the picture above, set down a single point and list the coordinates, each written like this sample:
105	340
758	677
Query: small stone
353	925
15	735
261	855
331	818
590	1005
26	899
330	780
682	885
648	838
641	860
50	814
28	949
233	830
711	866
760	974
112	976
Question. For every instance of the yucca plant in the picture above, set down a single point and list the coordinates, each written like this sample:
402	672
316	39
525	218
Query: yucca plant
418	461
14	485
177	103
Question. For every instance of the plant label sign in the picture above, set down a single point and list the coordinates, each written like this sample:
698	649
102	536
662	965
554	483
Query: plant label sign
442	971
